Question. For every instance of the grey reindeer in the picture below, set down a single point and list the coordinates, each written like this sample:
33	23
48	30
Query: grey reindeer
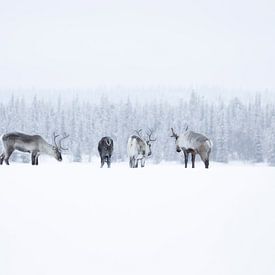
194	143
105	149
139	149
33	144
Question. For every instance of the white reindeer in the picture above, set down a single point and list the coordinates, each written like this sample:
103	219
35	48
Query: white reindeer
139	149
194	143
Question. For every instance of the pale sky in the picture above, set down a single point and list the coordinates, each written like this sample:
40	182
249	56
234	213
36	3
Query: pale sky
83	44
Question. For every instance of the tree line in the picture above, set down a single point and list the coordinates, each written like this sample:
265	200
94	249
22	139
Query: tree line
243	131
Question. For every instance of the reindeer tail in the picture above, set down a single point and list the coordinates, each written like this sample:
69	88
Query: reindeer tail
108	141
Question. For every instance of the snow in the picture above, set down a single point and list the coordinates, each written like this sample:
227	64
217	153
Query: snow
68	218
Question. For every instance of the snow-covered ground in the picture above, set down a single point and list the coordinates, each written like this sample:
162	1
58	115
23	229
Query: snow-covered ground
65	218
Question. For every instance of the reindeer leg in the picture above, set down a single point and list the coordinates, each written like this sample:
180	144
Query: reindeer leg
206	163
36	159
33	158
2	156
193	159
185	158
7	156
143	162
133	162
106	159
109	162
102	162
136	164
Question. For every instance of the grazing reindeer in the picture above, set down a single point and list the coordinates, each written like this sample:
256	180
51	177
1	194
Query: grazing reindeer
33	144
139	149
194	143
105	149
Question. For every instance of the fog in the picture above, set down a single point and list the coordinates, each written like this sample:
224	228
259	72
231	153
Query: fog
88	44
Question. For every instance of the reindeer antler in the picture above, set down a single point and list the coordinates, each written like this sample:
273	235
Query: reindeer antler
59	143
150	134
54	139
174	134
138	132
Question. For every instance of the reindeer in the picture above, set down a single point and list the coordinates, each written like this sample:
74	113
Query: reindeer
194	143
139	149
105	149
33	144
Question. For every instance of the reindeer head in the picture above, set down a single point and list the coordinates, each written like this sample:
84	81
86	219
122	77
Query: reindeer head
57	147
174	135
149	141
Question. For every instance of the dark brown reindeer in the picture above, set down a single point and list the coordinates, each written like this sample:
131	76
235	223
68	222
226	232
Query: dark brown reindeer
194	143
33	144
139	148
105	149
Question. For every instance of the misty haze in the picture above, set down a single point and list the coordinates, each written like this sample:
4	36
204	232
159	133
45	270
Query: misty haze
137	137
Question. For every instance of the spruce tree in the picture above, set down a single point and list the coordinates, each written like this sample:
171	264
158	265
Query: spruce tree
271	157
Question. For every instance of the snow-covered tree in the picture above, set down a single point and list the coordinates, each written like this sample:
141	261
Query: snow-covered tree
271	153
221	136
239	130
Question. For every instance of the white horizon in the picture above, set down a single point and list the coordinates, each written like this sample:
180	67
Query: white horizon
87	44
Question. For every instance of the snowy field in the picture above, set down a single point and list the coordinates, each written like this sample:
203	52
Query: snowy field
64	218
